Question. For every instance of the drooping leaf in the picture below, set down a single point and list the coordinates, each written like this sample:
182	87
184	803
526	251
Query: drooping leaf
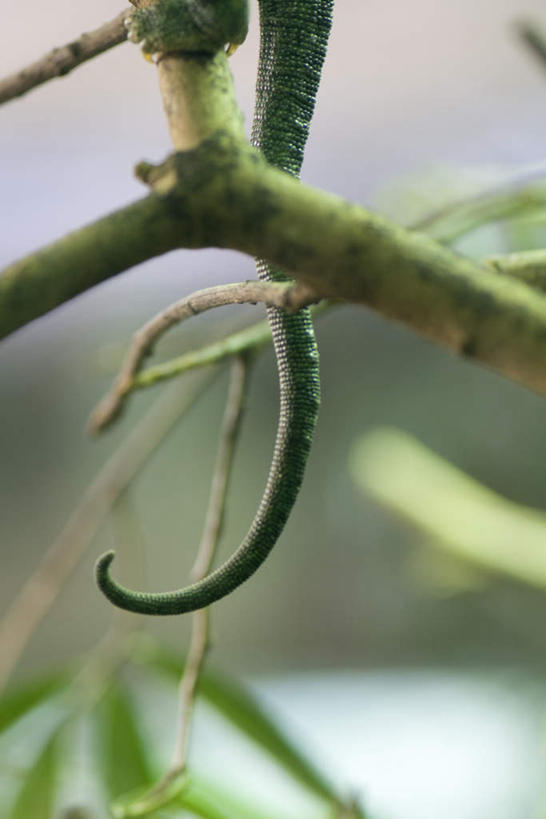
122	754
240	707
458	514
36	797
16	704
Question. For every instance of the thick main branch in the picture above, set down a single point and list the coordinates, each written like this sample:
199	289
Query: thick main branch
217	191
223	194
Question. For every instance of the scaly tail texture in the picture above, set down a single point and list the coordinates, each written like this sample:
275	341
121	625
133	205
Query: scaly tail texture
294	38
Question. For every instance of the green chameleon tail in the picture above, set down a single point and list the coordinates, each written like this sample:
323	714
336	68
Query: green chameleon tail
294	38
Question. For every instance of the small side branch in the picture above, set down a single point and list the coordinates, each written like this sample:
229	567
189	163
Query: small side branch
251	339
285	295
62	60
170	784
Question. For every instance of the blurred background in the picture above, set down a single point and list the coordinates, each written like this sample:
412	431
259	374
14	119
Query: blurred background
421	103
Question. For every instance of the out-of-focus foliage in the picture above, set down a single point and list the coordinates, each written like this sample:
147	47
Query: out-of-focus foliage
53	718
454	512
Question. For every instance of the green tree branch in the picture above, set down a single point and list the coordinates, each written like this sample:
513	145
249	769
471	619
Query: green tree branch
528	266
222	193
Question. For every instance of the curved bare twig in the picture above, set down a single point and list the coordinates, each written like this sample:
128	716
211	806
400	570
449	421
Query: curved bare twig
60	61
286	295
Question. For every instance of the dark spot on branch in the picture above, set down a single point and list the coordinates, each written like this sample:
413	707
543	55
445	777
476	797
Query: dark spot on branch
469	348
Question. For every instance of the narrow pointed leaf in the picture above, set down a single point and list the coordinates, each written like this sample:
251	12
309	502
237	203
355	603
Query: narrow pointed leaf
36	797
210	802
240	707
122	755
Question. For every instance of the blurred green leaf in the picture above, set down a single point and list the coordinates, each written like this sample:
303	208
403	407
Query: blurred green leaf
459	515
122	754
188	795
211	802
240	707
36	797
121	757
17	703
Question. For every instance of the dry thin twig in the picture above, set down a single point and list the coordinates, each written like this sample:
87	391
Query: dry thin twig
285	295
206	552
199	641
42	587
62	60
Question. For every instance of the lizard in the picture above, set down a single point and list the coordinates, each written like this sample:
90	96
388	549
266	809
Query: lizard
293	41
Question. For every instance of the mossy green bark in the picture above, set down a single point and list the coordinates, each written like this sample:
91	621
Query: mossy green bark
70	266
528	266
224	194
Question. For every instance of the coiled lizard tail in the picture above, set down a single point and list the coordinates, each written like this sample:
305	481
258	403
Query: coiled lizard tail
293	42
294	38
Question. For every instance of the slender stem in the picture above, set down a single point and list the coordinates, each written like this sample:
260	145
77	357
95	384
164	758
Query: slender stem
166	788
235	405
250	338
39	592
206	552
285	295
60	61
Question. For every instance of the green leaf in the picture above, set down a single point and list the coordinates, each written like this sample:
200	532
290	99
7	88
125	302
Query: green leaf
211	802
458	515
122	753
36	798
192	795
241	708
17	703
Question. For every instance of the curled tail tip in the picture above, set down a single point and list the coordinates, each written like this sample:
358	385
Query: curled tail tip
114	593
102	567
